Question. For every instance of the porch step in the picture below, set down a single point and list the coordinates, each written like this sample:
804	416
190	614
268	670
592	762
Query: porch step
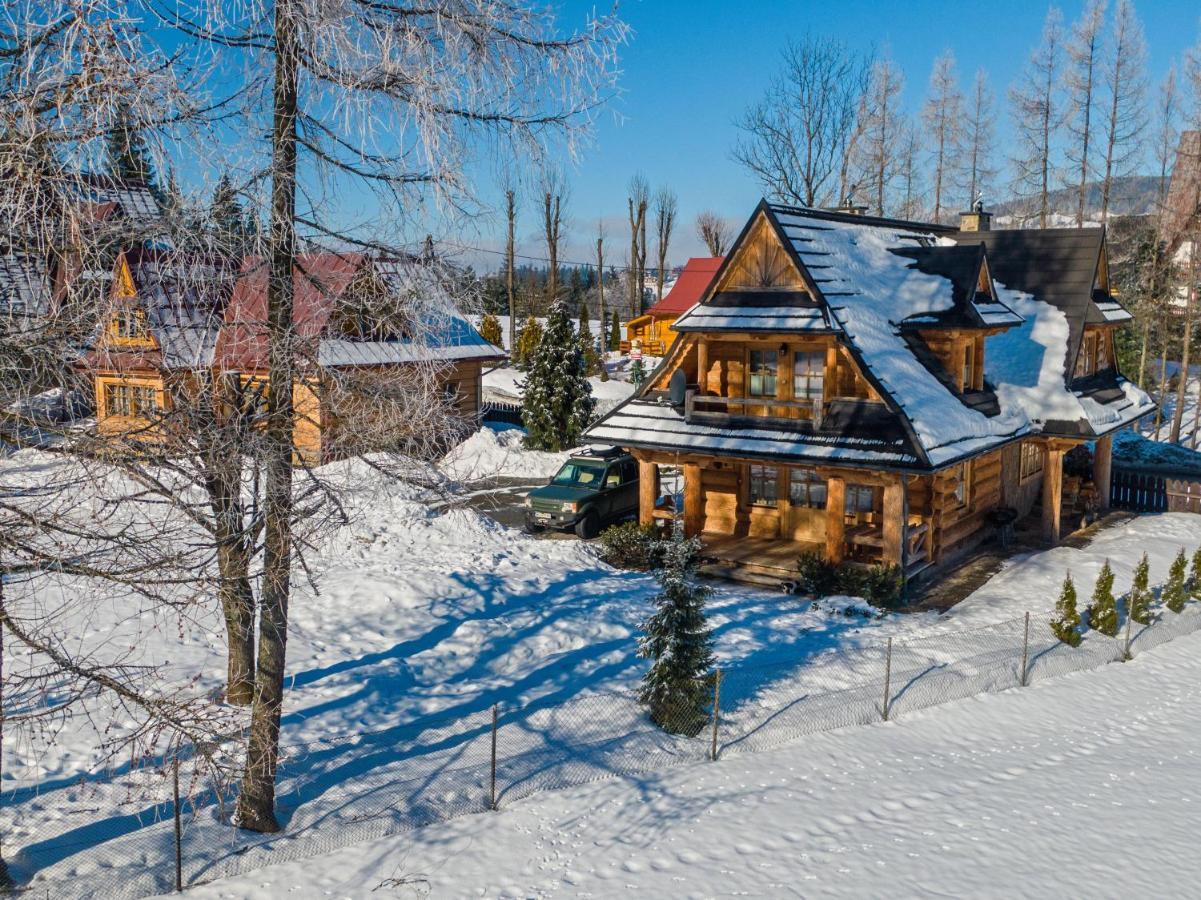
917	568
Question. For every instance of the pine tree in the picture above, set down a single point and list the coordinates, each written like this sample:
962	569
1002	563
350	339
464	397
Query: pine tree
126	155
227	217
615	333
1139	604
490	330
1195	576
1066	623
1103	610
677	688
637	374
1175	594
557	400
584	335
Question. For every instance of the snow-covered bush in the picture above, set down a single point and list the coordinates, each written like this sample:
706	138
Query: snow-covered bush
678	686
1103	610
630	546
490	330
1066	623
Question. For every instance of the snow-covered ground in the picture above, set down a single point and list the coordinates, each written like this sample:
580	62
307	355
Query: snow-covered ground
427	610
1085	786
505	384
1188	419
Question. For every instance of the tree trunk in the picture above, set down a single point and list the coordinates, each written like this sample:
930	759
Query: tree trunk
1182	386
237	602
256	803
511	210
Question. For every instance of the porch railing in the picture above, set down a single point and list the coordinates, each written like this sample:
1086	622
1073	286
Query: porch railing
710	409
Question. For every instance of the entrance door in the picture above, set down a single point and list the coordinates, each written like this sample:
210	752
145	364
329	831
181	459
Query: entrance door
806	506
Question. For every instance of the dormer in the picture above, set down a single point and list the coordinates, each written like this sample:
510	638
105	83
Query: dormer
128	325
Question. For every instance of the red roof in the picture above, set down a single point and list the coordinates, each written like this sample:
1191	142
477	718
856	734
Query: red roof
694	280
318	281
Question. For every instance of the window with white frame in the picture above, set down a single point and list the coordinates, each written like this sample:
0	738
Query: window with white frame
806	489
763	491
963	490
1032	460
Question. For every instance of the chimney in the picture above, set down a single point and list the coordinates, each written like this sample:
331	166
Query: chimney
976	219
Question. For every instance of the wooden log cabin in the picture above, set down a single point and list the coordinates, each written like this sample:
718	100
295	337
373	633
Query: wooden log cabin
652	331
181	325
872	389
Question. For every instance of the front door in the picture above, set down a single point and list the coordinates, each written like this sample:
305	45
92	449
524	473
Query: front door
806	505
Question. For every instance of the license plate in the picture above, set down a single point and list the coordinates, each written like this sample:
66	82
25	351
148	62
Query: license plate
542	517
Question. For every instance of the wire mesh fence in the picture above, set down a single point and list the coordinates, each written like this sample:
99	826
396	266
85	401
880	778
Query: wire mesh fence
123	834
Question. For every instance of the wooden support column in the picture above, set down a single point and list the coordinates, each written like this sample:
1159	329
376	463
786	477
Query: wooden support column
694	513
836	506
702	365
1102	463
1052	491
895	525
648	490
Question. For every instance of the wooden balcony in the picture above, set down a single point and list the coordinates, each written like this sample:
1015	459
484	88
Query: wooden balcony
757	412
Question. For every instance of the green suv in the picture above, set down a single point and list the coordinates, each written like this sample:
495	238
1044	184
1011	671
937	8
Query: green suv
592	489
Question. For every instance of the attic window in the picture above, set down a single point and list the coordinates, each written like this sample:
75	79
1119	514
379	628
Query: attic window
129	323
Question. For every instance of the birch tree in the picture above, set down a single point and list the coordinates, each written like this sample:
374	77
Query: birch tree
1081	75
942	115
1125	80
1035	114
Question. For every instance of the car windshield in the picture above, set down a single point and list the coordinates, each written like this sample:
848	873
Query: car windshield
581	474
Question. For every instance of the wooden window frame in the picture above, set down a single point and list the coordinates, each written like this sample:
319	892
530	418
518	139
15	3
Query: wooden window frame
131	398
813	483
1030	462
968	373
767	354
769	498
816	374
963	485
856	490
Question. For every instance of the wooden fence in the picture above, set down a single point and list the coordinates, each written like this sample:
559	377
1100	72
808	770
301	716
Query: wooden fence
1147	492
501	413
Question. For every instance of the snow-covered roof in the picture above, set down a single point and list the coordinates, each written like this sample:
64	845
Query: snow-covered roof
1112	311
780	319
24	286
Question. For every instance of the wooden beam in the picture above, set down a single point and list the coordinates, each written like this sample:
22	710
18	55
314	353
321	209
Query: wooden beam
1102	467
694	513
836	504
648	491
894	525
702	364
1052	492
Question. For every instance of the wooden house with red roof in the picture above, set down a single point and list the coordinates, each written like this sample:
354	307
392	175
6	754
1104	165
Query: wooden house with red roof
651	332
176	320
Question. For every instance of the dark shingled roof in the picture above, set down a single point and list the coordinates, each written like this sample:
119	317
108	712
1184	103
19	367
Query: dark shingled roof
1056	265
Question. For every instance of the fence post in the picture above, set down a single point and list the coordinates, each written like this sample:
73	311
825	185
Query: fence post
716	711
1126	650
178	831
1026	652
492	792
887	679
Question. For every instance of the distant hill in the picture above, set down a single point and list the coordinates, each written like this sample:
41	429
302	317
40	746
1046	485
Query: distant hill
1131	195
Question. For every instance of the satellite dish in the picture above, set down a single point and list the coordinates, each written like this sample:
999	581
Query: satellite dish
677	388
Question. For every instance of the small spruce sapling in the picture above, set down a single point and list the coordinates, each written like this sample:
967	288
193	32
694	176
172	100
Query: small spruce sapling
490	330
1175	594
678	686
1103	610
1139	604
637	374
1066	623
557	398
1195	576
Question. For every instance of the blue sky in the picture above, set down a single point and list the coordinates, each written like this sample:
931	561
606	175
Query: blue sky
692	67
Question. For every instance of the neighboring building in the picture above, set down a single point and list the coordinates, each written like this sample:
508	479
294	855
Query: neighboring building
875	389
180	323
651	331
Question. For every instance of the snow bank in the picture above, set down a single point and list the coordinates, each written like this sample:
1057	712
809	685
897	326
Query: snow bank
505	384
496	452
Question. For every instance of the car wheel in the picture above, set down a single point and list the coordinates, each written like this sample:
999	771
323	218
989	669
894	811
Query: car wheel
531	528
588	527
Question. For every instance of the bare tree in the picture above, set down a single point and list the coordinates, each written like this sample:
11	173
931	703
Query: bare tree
942	115
636	207
1083	53
666	208
714	231
1125	77
1167	134
978	139
797	140
912	205
600	289
1192	236
1036	116
882	123
553	192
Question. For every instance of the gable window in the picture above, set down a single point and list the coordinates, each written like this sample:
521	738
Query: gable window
130	401
763	486
963	491
1032	460
1085	362
809	375
762	370
967	380
1102	352
861	498
129	324
806	488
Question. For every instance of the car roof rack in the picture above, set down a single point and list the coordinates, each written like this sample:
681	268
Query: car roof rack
600	452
